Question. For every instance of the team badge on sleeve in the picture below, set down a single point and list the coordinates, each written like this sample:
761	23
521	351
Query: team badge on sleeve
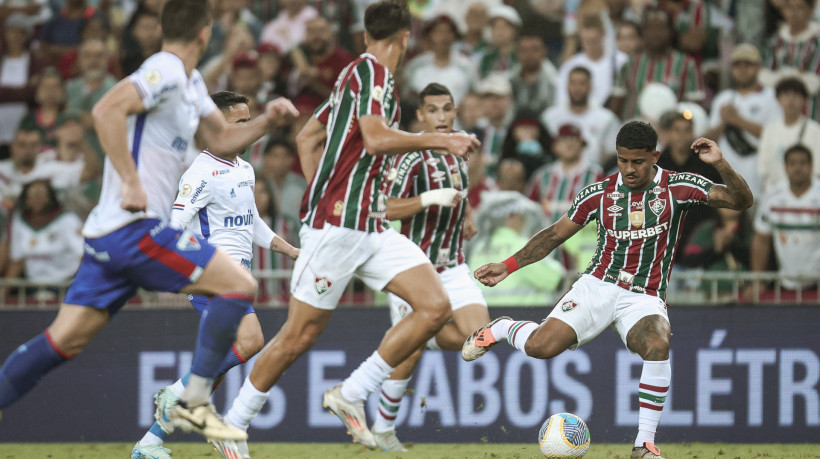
186	190
153	77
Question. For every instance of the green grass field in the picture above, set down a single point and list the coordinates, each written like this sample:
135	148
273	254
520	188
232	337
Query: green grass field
439	450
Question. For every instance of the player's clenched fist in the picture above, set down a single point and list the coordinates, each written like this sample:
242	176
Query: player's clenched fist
281	112
707	150
461	144
134	198
491	274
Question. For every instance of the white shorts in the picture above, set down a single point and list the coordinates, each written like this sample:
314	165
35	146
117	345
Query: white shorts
591	305
331	256
459	284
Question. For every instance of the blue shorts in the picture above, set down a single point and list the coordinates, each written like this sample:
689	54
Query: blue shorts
146	254
200	303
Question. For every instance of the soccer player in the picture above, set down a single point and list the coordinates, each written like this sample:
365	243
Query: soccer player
145	124
639	212
345	232
427	195
223	211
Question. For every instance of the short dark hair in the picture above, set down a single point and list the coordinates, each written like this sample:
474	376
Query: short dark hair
581	69
181	20
279	142
637	135
791	84
383	19
224	100
434	89
798	148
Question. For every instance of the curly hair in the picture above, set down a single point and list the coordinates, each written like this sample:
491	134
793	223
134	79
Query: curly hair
637	135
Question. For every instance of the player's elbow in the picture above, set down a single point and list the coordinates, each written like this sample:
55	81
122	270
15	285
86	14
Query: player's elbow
373	145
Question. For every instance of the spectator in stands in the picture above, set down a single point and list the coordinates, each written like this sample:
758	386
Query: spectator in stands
598	125
51	99
61	34
92	82
720	244
270	66
507	221
511	176
555	185
246	79
628	38
93	28
19	69
795	49
602	61
670	67
288	28
288	187
475	19
45	242
480	182
318	61
534	77
440	64
497	105
787	218
142	38
37	12
794	128
528	142
739	114
19	169
216	71
499	55
228	14
470	112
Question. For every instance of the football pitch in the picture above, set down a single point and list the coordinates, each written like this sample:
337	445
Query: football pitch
421	450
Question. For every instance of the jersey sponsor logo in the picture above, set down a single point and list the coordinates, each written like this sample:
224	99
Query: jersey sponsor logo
198	191
233	193
179	144
432	162
392	174
438	176
568	305
322	285
691	178
651	231
594	188
615	195
626	278
245	183
232	221
102	257
186	190
614	208
220	172
657	206
658	190
338	207
187	242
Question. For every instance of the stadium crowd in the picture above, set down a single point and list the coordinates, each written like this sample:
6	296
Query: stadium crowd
544	84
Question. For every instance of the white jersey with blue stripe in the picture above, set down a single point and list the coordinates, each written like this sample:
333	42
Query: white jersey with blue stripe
216	201
158	139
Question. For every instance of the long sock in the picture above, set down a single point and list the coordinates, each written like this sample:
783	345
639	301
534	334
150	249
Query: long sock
246	405
217	331
389	404
655	378
515	332
231	360
26	365
366	379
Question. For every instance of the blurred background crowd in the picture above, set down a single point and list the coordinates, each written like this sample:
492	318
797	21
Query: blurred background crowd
545	85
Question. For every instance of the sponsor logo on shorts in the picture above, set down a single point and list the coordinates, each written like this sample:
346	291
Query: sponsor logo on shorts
102	257
322	285
568	305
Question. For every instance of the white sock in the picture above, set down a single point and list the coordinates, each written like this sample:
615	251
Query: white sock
389	403
366	379
198	391
515	332
655	378
499	329
177	388
247	404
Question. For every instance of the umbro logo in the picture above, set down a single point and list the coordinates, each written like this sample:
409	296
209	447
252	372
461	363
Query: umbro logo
615	208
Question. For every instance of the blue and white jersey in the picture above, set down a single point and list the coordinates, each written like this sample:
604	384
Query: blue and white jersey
216	201
158	139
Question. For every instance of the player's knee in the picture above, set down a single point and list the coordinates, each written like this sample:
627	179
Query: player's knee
250	344
545	350
657	348
73	347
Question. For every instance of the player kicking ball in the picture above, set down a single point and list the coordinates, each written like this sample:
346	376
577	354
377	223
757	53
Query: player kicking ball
427	195
639	211
216	201
145	124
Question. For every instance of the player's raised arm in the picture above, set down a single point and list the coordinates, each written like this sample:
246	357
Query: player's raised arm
735	194
310	143
264	236
381	139
219	137
538	247
110	116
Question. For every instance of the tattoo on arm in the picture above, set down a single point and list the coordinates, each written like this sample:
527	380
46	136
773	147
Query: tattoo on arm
735	194
538	247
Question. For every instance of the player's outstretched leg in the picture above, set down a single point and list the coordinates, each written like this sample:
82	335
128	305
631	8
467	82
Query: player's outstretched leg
483	339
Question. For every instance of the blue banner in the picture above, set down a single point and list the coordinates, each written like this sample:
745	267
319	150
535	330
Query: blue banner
740	374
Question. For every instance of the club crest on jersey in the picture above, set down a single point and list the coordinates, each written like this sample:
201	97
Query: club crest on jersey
636	218
616	195
568	305
657	206
187	242
322	285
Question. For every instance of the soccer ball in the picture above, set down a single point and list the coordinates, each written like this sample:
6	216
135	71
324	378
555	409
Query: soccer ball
564	435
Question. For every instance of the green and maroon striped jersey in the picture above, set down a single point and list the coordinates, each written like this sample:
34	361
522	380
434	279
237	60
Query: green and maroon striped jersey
436	229
558	187
349	189
638	231
677	70
802	54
